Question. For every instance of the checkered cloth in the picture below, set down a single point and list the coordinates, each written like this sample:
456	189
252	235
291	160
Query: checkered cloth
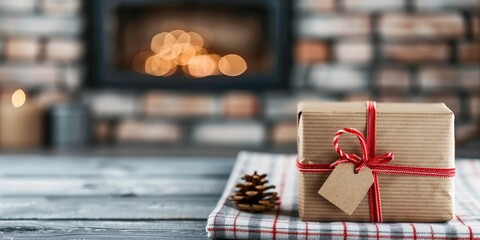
283	223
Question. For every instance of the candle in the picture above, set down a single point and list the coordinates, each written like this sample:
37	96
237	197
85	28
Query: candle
21	122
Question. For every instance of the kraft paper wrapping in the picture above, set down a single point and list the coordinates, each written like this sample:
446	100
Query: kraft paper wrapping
420	135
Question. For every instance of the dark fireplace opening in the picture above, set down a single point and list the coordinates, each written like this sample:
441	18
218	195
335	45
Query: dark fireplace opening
190	44
194	41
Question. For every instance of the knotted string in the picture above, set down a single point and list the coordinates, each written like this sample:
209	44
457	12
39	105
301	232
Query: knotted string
359	162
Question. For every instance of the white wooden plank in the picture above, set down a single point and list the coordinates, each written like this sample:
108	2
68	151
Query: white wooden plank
102	229
114	208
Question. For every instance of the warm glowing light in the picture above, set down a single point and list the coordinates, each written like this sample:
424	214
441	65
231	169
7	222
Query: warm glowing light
177	33
189	53
171	71
157	42
196	39
170	52
202	66
18	98
232	65
216	58
148	65
157	66
186	52
138	63
162	40
184	38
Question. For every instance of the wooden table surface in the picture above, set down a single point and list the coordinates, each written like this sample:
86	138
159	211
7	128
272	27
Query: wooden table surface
109	197
116	193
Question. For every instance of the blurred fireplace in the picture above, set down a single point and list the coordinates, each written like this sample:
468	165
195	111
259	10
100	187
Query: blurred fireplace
192	44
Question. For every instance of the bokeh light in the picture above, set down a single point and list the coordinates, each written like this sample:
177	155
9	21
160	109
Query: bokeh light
157	66
188	53
196	39
18	98
162	40
232	65
202	66
140	59
179	50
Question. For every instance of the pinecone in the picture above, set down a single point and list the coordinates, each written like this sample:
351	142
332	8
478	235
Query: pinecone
252	196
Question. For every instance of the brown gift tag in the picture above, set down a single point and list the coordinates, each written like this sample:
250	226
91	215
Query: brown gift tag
345	188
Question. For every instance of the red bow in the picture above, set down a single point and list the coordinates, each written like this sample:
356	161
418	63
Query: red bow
359	162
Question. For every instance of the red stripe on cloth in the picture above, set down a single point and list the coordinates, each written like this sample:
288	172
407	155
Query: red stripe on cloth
215	219
221	208
469	228
235	225
306	230
280	191
323	234
345	231
414	231
378	231
431	230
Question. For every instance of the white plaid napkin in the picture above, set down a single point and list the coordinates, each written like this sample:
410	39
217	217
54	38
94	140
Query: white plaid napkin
283	223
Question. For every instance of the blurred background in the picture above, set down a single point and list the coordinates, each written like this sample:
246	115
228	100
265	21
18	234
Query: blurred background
217	76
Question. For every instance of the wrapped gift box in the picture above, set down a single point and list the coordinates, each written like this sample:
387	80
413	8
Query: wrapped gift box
419	135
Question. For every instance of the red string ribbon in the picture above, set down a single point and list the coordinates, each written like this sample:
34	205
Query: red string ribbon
378	164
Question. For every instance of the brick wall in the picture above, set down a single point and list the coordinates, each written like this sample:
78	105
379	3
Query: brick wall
393	50
353	50
39	42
